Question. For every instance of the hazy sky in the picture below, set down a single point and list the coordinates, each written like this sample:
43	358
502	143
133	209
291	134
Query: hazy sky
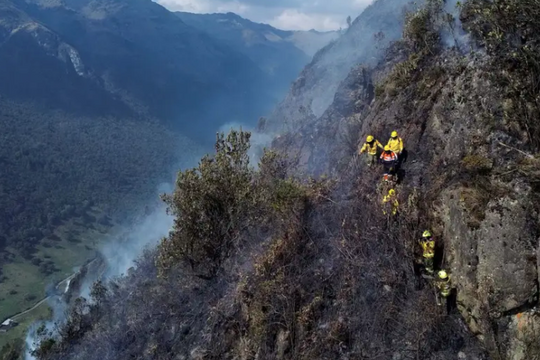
283	14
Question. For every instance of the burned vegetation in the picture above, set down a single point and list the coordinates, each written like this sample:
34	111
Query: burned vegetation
264	265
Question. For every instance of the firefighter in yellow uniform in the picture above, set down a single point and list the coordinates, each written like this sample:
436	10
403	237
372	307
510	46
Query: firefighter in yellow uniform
428	251
444	286
370	146
395	143
390	199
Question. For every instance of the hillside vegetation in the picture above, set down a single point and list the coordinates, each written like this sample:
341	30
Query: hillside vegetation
100	101
114	57
56	167
281	262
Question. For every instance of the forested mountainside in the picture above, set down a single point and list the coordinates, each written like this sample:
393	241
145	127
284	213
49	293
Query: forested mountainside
279	53
267	263
56	166
98	100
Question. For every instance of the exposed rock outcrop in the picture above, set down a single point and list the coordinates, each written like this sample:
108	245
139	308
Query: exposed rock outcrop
465	161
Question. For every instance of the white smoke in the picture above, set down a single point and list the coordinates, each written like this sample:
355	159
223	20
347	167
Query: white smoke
458	37
120	253
59	309
259	140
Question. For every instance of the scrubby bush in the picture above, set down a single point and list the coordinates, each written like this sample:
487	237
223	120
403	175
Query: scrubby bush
30	297
421	40
211	205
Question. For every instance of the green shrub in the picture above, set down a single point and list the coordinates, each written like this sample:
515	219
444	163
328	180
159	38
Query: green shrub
211	204
477	164
215	203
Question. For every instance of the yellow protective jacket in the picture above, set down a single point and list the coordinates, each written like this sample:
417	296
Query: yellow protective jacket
371	149
393	200
396	145
428	248
444	287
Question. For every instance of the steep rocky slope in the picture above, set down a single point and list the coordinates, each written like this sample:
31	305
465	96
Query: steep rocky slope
285	267
379	24
472	144
481	203
38	66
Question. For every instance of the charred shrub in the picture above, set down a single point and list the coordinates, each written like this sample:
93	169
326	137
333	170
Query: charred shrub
508	31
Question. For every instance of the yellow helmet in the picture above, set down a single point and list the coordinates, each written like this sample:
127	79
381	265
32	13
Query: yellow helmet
387	148
370	138
443	275
394	134
391	192
426	234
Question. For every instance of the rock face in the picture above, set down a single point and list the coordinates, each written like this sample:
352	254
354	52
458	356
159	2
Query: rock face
494	266
465	162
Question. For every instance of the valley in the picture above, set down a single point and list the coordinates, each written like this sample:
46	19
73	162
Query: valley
26	284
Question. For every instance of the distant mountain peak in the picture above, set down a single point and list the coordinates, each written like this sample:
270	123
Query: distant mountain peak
224	25
47	3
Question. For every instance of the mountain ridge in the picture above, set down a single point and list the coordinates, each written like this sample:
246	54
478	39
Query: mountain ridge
279	53
112	48
362	43
282	35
